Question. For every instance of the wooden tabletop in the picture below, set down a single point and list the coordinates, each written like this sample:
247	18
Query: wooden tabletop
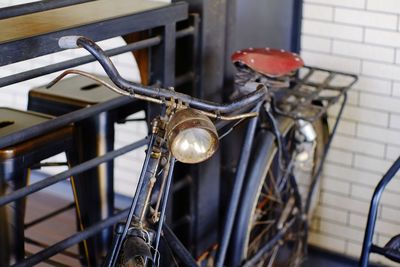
72	16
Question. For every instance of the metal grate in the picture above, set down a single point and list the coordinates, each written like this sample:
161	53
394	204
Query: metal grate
311	93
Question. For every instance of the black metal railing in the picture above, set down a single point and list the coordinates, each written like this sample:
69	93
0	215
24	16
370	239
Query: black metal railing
161	43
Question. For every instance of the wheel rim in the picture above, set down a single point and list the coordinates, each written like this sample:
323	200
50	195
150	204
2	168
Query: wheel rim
263	223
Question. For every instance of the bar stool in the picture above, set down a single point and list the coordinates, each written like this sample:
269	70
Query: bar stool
94	137
15	162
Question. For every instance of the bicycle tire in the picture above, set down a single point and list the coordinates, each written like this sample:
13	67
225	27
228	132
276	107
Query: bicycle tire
264	159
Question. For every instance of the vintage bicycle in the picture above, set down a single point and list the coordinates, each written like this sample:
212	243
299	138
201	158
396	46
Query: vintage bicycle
276	181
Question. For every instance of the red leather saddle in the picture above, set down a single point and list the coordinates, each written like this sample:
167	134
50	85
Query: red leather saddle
268	61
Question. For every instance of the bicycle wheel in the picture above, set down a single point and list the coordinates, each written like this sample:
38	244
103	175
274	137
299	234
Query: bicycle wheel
269	204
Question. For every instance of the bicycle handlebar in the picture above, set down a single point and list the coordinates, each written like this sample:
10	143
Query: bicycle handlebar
247	101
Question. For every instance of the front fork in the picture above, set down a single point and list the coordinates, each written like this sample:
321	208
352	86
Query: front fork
135	225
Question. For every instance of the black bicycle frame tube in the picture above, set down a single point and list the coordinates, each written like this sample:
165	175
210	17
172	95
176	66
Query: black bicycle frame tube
178	248
326	148
237	188
150	172
117	245
160	93
164	207
373	212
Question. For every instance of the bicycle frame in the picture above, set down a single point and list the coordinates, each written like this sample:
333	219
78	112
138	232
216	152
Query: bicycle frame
368	246
149	169
142	192
232	111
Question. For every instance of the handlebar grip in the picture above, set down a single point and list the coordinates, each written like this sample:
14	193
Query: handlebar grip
68	42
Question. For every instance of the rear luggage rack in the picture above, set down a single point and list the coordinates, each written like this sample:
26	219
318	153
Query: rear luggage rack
311	92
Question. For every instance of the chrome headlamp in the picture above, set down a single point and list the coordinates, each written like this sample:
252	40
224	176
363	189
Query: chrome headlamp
191	136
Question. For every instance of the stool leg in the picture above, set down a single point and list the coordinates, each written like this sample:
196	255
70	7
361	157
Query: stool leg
94	188
5	242
12	216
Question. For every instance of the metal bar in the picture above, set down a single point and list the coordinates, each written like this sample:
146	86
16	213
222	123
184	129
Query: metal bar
178	248
237	189
315	178
146	43
49	261
391	254
373	212
164	206
117	246
72	240
24	9
184	78
49	215
295	36
42	245
185	32
112	252
71	172
23	76
317	175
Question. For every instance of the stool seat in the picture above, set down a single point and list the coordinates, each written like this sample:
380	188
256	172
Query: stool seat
75	93
12	121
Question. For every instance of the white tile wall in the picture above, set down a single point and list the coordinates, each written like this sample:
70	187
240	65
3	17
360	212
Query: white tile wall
365	18
362	37
127	167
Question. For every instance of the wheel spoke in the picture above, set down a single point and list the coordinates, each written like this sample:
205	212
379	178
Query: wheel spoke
274	253
260	236
270	197
263	222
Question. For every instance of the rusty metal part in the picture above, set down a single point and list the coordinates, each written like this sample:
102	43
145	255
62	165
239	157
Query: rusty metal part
147	201
156	214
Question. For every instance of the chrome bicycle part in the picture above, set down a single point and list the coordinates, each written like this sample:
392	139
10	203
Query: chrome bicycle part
191	136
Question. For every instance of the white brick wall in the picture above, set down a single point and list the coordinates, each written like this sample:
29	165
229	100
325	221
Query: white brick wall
362	37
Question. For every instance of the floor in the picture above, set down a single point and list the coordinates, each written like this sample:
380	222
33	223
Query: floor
50	231
325	259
